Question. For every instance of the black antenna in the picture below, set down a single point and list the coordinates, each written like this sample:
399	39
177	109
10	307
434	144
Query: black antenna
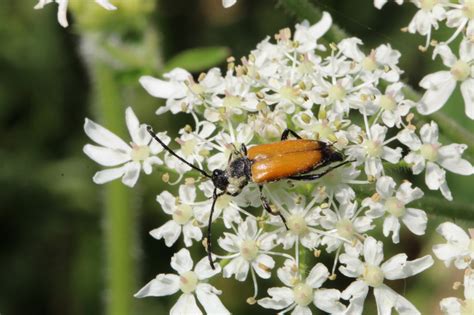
152	133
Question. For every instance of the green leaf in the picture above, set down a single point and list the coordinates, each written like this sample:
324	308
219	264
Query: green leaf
198	59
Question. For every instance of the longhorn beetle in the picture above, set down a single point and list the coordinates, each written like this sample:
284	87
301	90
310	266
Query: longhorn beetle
286	159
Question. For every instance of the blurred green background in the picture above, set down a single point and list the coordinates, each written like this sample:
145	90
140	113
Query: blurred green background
53	255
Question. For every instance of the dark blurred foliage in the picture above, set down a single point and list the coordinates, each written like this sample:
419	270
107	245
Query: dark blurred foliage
52	253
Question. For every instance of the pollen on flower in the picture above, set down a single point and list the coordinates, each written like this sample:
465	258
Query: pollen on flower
188	282
373	275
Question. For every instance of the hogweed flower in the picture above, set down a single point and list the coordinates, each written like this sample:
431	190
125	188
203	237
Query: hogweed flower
191	283
140	154
336	94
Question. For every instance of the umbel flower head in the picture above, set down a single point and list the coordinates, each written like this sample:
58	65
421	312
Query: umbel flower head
349	101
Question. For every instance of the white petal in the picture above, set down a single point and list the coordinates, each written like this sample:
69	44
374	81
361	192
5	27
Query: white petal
167	202
392	225
328	301
228	3
170	232
181	261
385	186
434	176
317	276
406	194
62	13
204	270
280	298
466	50
108	175
163	284
387	299
373	251
398	267
469	285
445	53
104	137
106	5
187	193
450	306
106	156
379	3
132	173
185	305
356	292
239	267
263	265
133	125
415	220
207	296
454	234
391	155
410	139
429	133
301	310
162	89
190	232
449	156
439	87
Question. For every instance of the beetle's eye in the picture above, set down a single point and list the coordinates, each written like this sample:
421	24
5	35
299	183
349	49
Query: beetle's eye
216	172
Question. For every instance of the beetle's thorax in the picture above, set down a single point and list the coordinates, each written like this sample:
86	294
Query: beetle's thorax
238	174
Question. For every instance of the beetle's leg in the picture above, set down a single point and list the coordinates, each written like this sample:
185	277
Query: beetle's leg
286	132
268	208
243	148
215	195
319	175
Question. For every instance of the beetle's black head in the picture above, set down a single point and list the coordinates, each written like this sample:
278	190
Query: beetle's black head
332	155
219	179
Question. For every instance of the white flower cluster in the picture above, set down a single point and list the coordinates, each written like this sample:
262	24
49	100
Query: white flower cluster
459	15
459	248
334	93
62	8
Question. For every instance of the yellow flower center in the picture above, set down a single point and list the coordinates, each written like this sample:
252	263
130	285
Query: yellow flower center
467	307
369	63
387	102
140	152
395	207
182	214
373	275
373	148
232	102
188	282
336	93
297	224
345	229
468	9
249	250
429	152
460	70
303	294
289	93
427	5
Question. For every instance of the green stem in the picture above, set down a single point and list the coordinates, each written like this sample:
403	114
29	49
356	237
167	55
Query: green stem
119	220
303	9
445	208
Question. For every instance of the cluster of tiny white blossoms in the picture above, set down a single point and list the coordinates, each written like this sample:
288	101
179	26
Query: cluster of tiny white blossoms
62	8
332	93
458	15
